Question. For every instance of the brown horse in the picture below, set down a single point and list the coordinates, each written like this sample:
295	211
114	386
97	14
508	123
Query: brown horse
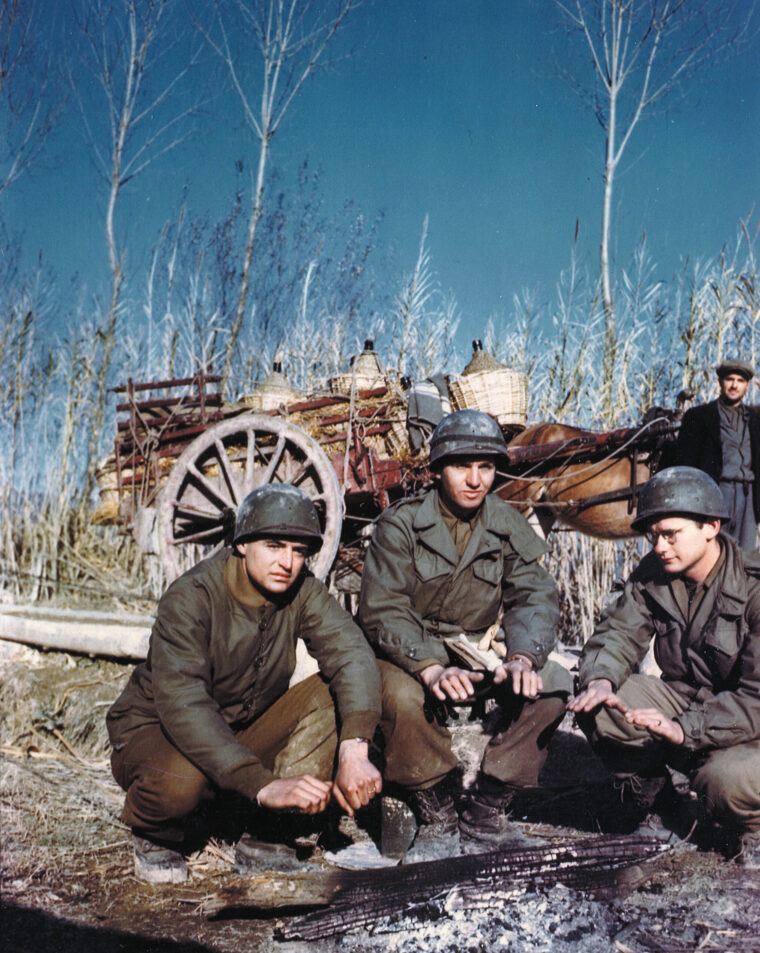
566	490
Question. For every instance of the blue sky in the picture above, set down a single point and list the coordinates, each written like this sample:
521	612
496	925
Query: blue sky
451	109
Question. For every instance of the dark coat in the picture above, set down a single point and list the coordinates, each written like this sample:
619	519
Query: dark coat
416	590
714	662
215	664
699	444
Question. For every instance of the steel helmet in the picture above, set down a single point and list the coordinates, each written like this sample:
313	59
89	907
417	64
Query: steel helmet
278	509
466	433
679	491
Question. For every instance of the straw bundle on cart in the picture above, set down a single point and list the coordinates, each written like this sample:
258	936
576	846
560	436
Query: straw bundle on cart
487	385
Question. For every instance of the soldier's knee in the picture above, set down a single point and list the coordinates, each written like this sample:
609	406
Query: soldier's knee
175	790
729	783
402	694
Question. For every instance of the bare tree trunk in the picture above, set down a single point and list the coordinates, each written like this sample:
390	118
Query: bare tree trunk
245	275
608	305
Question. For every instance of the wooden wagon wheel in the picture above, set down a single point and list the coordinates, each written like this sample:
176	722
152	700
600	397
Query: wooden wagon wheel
219	468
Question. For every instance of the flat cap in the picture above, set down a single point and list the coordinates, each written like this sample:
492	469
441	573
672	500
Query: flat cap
735	366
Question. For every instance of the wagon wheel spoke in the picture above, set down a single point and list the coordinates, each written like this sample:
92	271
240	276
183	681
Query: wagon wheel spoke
210	487
226	469
274	460
300	473
250	457
188	510
201	536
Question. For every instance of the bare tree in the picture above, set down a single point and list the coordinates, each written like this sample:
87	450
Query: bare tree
140	117
640	51
27	105
287	40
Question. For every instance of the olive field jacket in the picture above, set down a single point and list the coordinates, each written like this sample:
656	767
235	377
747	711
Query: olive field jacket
416	590
714	663
214	665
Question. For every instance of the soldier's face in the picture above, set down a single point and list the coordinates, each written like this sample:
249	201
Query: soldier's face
684	546
465	483
273	564
733	387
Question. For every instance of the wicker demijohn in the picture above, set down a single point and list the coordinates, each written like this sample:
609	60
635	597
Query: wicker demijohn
366	373
275	391
487	385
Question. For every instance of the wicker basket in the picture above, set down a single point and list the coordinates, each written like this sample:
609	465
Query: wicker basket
503	393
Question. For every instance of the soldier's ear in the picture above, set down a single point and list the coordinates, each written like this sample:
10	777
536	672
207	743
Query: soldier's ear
240	547
713	528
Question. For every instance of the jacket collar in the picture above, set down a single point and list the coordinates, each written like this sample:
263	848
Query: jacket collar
730	584
488	531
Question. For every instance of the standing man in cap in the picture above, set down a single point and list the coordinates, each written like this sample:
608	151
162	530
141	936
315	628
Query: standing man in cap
697	595
211	710
723	439
456	559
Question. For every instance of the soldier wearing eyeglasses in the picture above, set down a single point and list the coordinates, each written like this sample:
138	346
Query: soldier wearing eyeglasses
722	438
696	596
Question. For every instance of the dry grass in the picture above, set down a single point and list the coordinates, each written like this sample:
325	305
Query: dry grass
668	338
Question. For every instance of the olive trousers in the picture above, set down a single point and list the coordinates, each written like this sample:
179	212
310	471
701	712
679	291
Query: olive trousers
296	735
726	779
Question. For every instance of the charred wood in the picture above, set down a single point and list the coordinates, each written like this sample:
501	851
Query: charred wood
361	898
592	865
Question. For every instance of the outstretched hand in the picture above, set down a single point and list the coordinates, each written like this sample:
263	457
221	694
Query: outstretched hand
597	692
519	672
450	683
658	723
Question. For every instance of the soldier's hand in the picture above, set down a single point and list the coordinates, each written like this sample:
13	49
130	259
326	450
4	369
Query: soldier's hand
452	683
658	723
357	780
597	692
519	672
304	793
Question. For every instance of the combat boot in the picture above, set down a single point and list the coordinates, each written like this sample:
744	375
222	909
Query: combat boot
157	863
485	822
650	805
435	811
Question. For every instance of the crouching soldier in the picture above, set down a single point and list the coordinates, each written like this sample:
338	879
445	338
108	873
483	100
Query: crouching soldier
210	709
456	560
697	595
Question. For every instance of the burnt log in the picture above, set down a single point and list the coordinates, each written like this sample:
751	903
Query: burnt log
352	899
591	864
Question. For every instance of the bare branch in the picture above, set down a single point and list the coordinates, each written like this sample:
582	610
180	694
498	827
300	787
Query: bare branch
29	99
287	40
641	50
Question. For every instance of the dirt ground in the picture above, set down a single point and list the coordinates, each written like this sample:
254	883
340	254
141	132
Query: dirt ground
66	865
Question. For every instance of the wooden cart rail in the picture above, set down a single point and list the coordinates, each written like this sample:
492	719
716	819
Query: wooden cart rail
191	457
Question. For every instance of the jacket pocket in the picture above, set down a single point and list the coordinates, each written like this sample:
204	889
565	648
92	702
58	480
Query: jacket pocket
721	646
488	570
429	566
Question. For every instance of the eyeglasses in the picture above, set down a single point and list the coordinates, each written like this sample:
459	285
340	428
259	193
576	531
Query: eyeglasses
669	535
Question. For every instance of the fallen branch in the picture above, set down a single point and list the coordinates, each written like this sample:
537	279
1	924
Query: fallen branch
112	635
